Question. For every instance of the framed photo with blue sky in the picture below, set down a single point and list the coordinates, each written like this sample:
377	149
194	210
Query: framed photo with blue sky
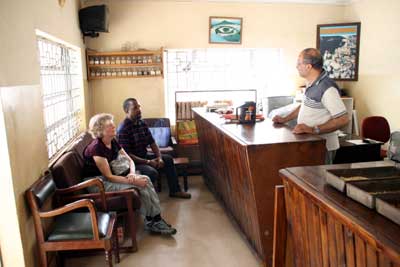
340	46
225	30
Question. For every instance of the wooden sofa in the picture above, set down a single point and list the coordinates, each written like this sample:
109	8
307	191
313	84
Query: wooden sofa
67	173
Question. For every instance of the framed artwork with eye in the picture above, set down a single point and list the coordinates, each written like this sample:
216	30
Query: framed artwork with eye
225	30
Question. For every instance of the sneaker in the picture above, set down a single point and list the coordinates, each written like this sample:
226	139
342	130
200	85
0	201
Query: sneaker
161	227
180	195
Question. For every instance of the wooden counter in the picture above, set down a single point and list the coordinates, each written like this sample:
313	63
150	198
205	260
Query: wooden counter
329	229
240	166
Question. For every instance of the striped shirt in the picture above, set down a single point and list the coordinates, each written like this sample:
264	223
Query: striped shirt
134	138
321	103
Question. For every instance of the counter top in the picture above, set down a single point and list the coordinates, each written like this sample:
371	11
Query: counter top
261	133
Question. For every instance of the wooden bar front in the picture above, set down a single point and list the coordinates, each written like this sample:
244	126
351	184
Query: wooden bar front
240	166
329	229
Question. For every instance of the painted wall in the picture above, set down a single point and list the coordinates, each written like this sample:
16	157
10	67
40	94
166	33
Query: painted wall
377	91
22	115
152	24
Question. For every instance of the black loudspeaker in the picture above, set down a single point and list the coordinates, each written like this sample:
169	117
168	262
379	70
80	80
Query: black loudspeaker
93	19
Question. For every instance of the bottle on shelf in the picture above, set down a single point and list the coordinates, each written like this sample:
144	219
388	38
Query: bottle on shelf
123	60
108	73
134	60
150	59
152	72
96	61
129	72
123	72
91	60
129	60
101	61
139	60
107	61
112	61
117	60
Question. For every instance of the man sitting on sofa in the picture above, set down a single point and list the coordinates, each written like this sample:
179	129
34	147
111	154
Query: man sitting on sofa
134	136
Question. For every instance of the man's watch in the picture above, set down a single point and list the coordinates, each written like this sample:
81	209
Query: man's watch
316	129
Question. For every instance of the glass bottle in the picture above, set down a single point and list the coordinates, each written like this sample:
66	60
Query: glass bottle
107	61
112	60
91	60
123	60
117	60
96	60
101	61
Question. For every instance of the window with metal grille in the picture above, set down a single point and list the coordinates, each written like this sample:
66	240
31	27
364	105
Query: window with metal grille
233	70
61	80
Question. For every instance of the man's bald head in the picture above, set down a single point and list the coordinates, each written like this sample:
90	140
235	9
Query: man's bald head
313	56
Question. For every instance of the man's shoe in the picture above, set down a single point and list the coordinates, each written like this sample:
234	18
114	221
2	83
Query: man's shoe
161	227
181	195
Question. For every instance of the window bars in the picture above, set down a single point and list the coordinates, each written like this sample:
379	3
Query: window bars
61	79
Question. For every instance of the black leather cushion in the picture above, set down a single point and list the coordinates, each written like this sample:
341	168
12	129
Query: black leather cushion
77	225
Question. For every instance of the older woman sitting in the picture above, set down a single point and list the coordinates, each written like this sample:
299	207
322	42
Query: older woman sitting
104	158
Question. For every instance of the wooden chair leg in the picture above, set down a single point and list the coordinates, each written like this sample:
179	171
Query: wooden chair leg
116	247
43	257
109	258
132	225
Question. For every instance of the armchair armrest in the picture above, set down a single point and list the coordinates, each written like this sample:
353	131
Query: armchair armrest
92	182
83	203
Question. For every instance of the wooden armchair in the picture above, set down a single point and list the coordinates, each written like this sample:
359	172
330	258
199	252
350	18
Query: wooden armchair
71	230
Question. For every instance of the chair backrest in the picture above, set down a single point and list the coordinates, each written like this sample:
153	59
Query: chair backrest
42	189
160	130
67	171
37	195
376	128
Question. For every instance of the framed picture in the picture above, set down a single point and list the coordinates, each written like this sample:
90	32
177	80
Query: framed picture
340	45
225	30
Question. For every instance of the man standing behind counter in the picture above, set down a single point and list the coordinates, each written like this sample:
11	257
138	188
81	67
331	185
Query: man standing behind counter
134	136
322	111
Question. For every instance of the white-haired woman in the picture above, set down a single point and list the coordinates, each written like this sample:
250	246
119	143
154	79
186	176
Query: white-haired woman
105	158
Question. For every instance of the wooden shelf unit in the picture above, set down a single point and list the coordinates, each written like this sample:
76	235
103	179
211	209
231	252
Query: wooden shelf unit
124	64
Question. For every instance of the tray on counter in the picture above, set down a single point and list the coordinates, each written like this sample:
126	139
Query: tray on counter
339	177
366	192
389	206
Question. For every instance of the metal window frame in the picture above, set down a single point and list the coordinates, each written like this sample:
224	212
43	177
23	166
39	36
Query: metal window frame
61	83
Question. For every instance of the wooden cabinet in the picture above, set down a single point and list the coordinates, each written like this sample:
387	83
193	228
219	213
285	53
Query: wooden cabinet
240	166
129	64
327	228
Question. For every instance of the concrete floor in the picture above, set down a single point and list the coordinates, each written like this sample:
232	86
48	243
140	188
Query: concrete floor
206	237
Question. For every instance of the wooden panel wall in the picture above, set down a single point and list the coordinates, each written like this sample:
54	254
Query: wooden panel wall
321	239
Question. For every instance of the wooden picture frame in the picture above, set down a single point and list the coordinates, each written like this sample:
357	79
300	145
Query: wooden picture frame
225	30
340	46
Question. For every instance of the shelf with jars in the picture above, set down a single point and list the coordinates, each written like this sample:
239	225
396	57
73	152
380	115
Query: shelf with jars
126	64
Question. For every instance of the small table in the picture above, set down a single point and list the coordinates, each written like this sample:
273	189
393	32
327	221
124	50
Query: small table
351	153
181	165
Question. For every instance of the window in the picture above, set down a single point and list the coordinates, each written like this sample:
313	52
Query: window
61	80
216	69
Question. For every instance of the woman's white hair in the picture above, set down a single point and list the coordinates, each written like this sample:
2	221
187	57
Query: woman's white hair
97	124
